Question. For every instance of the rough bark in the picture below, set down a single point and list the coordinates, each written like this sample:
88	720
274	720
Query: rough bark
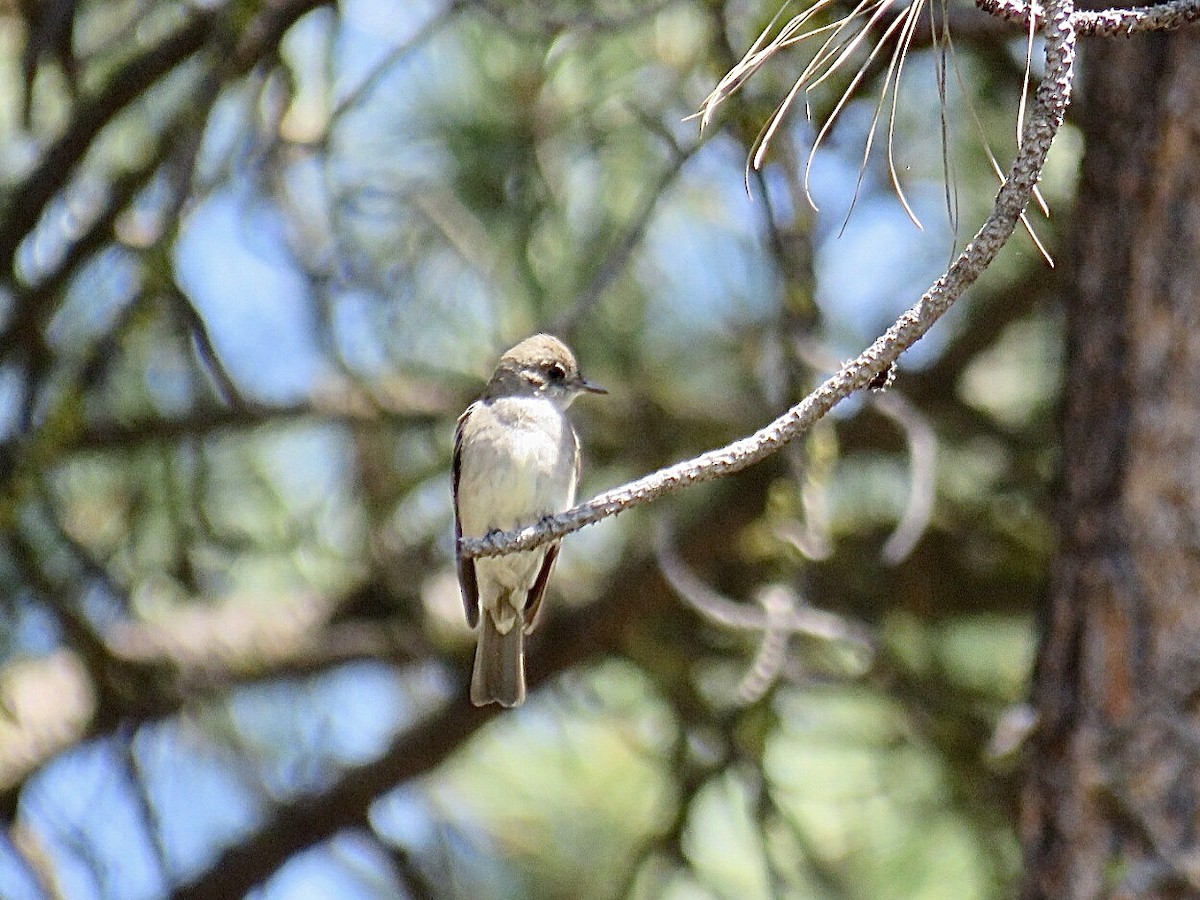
1112	793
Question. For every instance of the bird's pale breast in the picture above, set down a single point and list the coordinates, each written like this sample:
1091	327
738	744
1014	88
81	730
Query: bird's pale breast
518	464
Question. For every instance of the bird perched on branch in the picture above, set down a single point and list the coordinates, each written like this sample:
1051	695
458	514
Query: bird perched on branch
516	461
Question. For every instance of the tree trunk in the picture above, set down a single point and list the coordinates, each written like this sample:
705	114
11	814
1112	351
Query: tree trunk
1111	804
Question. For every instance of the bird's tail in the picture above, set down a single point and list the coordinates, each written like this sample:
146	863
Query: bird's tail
499	673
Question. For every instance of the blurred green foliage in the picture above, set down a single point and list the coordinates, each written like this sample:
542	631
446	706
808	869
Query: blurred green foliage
227	398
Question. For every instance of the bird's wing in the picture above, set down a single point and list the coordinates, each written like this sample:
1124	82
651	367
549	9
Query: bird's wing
467	581
533	600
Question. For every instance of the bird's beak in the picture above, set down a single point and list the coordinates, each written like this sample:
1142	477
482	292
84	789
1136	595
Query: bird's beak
591	387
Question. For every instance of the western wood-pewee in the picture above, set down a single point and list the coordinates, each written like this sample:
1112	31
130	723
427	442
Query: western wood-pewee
516	461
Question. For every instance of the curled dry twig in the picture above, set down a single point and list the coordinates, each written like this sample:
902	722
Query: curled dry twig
922	457
779	614
1046	116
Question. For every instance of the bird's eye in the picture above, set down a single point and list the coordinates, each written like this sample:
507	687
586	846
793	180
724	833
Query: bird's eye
556	372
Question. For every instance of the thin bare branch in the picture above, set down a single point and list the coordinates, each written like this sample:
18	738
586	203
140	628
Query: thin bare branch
1107	22
1046	116
720	610
779	605
778	614
206	351
922	456
355	97
410	401
616	259
92	116
566	641
130	769
200	653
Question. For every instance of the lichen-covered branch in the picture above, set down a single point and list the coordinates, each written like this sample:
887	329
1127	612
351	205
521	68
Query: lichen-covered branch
1105	22
1050	104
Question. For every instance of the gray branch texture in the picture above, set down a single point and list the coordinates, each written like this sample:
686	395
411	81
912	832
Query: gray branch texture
1049	108
1111	22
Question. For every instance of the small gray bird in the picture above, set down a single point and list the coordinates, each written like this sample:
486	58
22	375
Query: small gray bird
516	461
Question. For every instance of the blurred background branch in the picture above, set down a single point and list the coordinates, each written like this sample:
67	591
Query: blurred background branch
257	255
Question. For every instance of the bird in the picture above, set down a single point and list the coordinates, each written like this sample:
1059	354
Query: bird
516	461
